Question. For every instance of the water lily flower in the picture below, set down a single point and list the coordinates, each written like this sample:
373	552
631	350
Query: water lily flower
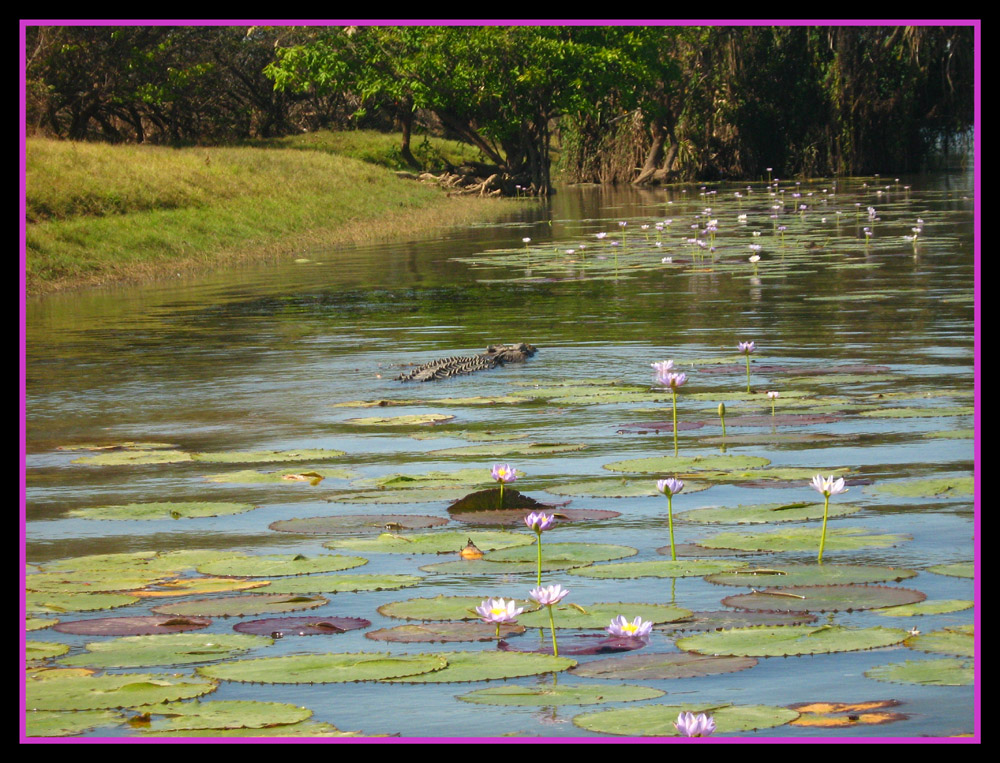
549	596
503	473
498	612
539	522
670	487
827	486
674	381
691	725
622	628
746	348
772	396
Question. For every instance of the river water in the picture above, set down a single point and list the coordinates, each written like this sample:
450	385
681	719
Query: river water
846	326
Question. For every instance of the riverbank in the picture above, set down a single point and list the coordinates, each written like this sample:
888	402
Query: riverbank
99	214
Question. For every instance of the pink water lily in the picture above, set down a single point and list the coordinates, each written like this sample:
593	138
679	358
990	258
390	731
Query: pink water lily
670	487
548	595
539	521
499	611
746	348
691	725
622	628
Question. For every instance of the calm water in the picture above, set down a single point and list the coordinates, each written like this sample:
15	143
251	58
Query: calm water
259	358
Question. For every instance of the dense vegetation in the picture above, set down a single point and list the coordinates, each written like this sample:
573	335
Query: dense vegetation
624	104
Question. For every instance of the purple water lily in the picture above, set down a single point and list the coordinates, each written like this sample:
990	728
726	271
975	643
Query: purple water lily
691	725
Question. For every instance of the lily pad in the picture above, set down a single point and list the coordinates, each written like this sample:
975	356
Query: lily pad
279	627
557	695
655	667
55	603
284	477
909	413
140	625
498	450
340	583
265	456
719	620
658	720
935	607
845	714
946	487
601	614
416	419
830	598
44	650
274	565
134	457
76	692
684	464
456	478
578	644
764	513
515	517
489	500
434	543
306	729
325	668
242	606
443	632
39	623
444	607
958	641
576	553
645	427
225	714
89	581
55	723
803	539
164	649
682	568
940	672
196	585
356	524
401	495
478	567
487	666
164	510
619	488
810	575
788	640
958	570
781	420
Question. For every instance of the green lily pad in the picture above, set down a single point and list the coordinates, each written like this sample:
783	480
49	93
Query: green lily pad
76	692
416	419
264	456
810	575
225	714
128	445
767	476
958	570
499	450
44	650
482	567
341	583
828	598
487	666
324	668
718	620
39	623
787	640
685	464
131	457
946	487
356	524
940	672
658	720
135	561
682	568
576	553
842	379
619	488
958	641
310	729
55	603
443	632
655	667
555	695
401	495
198	585
274	565
457	478
164	649
935	607
764	513
56	723
242	606
89	581
444	607
803	539
164	510
909	413
952	434
285	476
472	436
433	543
601	614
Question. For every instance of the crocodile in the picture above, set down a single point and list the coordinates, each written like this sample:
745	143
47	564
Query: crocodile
495	355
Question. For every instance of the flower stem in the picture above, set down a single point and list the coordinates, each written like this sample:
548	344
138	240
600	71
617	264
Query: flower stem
552	627
822	537
748	372
501	496
675	422
670	522
539	558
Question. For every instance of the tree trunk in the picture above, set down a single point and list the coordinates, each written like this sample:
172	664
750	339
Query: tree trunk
406	122
654	153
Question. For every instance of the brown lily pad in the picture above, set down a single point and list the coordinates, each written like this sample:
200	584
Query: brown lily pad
279	627
734	368
580	644
644	427
651	667
443	632
721	619
690	549
831	598
515	517
827	370
781	419
141	625
242	606
355	524
489	500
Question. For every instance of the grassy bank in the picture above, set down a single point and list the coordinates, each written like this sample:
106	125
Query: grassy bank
99	214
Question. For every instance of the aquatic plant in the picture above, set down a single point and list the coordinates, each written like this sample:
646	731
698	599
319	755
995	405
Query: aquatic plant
670	487
722	418
772	396
549	596
622	628
746	348
667	378
503	473
539	522
499	612
691	725
827	486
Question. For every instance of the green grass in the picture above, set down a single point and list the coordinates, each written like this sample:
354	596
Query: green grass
98	213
